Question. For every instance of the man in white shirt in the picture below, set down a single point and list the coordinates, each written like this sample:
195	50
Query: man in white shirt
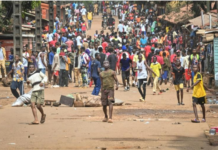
79	41
83	11
143	28
123	16
50	36
120	27
116	9
185	66
125	27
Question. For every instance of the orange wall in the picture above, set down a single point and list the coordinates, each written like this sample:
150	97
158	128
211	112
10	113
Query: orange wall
45	10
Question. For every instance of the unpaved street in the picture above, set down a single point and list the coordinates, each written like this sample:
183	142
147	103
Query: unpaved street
159	123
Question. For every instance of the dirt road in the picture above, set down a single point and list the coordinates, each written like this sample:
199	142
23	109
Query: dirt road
159	123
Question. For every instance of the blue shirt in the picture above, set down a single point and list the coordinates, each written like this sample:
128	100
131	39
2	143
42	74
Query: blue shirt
73	5
64	39
125	63
143	41
50	58
11	57
94	68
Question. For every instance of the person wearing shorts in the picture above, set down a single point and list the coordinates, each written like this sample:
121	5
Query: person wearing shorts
125	64
37	80
107	90
199	94
178	79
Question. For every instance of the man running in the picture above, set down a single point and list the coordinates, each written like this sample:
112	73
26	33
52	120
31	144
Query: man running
156	67
107	90
37	80
125	64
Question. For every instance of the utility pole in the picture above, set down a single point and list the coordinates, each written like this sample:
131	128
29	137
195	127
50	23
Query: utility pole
217	8
208	6
38	29
58	8
17	29
51	16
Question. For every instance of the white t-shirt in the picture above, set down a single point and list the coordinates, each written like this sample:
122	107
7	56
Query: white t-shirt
142	27
123	16
25	62
143	73
83	11
50	37
26	54
120	39
120	27
125	28
66	11
78	40
1	54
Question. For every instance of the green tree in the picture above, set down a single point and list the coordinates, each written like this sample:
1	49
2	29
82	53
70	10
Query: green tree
197	6
6	11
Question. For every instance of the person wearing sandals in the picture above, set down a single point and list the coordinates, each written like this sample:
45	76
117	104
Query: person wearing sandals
199	94
178	73
37	79
107	90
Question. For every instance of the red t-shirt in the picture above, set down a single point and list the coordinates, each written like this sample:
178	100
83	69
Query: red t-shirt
52	43
159	59
154	40
83	26
172	57
180	40
63	30
147	50
104	45
47	28
169	42
131	16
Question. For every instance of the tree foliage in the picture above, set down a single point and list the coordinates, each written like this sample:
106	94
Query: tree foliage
6	11
197	6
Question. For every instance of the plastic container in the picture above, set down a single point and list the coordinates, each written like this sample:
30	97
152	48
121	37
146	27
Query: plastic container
212	131
209	101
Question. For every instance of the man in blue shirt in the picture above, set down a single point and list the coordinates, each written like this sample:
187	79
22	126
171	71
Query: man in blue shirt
125	64
64	38
50	61
143	41
95	70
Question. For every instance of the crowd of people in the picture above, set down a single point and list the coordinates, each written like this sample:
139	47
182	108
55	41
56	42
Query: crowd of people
142	53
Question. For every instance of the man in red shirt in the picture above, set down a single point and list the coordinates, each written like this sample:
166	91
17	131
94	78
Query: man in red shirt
173	57
159	58
63	30
147	50
104	45
52	43
131	16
